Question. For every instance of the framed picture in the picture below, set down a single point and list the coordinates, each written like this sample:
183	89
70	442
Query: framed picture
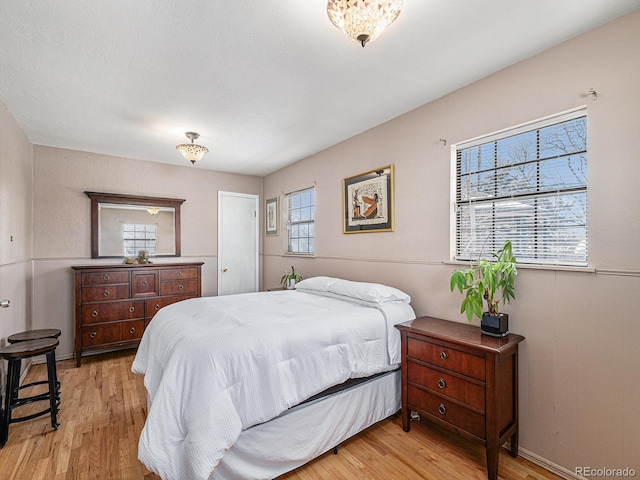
271	216
367	201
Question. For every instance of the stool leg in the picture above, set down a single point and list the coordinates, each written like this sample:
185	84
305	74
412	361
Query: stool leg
13	379
51	373
55	376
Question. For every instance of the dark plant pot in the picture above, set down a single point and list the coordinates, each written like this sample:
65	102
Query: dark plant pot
495	325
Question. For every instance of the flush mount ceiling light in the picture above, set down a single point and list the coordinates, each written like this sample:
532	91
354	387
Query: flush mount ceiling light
362	20
192	151
153	210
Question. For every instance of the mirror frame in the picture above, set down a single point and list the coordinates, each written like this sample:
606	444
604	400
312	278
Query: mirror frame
116	198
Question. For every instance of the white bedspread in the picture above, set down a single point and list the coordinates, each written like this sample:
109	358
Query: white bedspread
217	365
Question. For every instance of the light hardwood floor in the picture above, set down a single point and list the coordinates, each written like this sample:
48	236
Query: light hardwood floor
103	408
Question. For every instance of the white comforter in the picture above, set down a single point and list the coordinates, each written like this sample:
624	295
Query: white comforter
217	365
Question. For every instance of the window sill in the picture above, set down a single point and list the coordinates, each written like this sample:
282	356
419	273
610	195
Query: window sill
529	266
298	255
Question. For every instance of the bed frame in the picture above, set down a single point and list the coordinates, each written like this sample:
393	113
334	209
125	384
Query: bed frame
310	429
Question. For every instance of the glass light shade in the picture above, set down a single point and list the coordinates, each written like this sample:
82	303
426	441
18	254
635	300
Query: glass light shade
363	21
191	151
153	210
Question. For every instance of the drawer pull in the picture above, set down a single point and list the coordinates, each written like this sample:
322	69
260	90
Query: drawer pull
105	278
442	409
93	335
106	293
132	309
178	274
157	306
94	313
132	330
442	383
443	355
180	287
145	283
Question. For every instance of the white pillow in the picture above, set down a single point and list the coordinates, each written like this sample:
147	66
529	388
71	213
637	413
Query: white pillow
320	284
368	292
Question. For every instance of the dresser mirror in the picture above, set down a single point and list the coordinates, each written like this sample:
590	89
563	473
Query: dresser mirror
123	225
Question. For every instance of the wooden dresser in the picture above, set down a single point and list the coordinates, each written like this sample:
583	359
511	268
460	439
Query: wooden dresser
463	380
114	303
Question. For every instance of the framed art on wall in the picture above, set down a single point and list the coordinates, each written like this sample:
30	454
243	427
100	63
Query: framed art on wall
367	201
271	216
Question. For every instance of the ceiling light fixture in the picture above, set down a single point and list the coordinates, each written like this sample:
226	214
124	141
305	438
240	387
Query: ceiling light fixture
192	151
362	20
153	210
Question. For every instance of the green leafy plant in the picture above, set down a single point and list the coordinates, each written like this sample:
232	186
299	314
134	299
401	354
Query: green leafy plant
483	280
289	275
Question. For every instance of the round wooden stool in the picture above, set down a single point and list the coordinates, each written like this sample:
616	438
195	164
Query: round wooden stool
14	353
34	335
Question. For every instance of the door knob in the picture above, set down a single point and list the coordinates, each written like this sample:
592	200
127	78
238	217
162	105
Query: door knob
4	303
225	269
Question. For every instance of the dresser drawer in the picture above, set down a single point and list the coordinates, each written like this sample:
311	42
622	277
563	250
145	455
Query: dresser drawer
112	311
446	411
103	334
90	279
155	304
179	287
144	284
106	293
178	274
444	384
446	357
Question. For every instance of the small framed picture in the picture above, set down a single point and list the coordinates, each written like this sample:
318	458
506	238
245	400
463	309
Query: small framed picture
368	201
271	216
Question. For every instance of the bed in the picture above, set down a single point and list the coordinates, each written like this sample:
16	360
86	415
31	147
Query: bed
236	383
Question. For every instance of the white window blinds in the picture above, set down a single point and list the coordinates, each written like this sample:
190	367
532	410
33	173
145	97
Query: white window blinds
527	185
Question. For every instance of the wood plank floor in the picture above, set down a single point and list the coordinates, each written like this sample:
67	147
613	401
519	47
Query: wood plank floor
103	408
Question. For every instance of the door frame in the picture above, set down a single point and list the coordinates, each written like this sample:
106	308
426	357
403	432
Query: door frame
256	199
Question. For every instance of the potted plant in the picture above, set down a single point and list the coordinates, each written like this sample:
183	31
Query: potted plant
289	279
483	281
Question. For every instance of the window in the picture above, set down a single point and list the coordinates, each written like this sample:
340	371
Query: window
139	237
300	221
527	185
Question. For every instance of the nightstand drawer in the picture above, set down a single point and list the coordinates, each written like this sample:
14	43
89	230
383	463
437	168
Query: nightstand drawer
444	384
112	311
443	410
446	357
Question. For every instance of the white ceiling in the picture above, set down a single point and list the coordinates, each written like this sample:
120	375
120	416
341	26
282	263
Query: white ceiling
265	82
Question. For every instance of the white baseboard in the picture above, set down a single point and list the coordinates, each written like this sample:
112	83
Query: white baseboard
548	465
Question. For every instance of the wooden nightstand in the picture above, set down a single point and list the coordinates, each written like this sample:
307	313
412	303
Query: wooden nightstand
463	380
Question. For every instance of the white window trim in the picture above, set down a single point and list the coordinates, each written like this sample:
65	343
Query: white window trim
541	122
286	226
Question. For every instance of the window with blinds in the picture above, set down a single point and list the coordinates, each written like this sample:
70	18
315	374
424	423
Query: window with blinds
301	221
527	185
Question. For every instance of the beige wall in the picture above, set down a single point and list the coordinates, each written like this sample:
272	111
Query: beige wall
579	365
62	229
16	172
